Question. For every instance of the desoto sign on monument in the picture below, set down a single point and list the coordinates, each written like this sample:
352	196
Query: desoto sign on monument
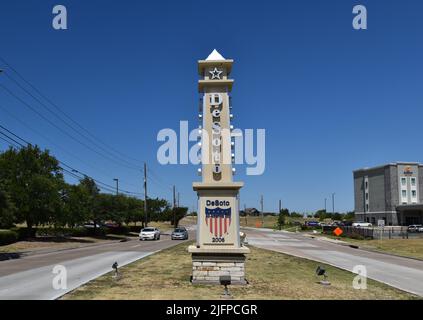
218	251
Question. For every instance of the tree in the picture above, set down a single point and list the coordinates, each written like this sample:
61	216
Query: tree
94	201
296	215
134	211
349	216
321	214
284	212
76	203
7	210
281	219
178	213
158	210
33	179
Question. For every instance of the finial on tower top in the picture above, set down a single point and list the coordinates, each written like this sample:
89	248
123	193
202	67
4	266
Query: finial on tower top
215	55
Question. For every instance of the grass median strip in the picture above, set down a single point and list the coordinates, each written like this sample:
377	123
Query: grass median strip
271	275
408	248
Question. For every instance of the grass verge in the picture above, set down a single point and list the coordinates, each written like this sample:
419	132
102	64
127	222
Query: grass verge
42	243
409	248
271	275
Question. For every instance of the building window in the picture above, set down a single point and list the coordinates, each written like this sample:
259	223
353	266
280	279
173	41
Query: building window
404	193
367	185
413	182
414	193
367	196
367	208
403	181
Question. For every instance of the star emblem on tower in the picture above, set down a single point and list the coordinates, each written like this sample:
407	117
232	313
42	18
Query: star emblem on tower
215	73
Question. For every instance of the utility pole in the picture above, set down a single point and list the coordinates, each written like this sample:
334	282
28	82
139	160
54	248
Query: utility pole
245	212
145	194
174	196
262	213
117	186
280	206
177	202
174	206
325	204
333	202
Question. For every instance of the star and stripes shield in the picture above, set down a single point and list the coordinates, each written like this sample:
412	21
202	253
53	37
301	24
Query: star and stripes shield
218	221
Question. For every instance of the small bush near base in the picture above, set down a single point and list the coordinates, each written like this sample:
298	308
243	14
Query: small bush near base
8	237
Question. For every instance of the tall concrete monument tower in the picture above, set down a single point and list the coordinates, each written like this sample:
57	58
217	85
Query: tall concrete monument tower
218	251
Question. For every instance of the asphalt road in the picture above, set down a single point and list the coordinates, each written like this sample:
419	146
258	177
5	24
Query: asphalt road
405	274
31	277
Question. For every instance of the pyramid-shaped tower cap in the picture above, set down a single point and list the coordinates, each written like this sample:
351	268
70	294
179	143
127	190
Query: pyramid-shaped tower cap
215	59
215	55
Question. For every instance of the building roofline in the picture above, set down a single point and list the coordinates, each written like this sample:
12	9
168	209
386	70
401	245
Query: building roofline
389	164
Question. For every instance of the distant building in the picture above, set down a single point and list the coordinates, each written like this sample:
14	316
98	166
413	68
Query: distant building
391	192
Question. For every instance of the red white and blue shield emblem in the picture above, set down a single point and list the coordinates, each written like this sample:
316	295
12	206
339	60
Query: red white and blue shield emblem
218	221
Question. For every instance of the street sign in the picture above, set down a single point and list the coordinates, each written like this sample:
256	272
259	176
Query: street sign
381	223
338	231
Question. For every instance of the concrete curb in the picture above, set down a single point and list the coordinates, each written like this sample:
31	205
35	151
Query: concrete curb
52	250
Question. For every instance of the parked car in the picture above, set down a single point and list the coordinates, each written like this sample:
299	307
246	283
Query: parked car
179	234
415	228
91	225
150	233
312	224
346	223
361	224
112	225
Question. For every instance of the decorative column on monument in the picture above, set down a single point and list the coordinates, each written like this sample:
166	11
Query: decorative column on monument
218	250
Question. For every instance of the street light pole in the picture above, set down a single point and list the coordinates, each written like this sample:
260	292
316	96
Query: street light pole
262	213
333	203
145	195
117	186
325	204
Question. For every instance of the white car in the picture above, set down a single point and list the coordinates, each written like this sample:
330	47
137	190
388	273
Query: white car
150	233
361	224
415	228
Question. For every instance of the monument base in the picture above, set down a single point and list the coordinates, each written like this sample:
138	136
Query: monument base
208	267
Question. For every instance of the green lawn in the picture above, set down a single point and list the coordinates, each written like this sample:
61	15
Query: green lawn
271	275
412	248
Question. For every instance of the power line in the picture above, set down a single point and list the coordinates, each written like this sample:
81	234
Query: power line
8	142
55	144
57	108
122	157
73	172
61	130
65	122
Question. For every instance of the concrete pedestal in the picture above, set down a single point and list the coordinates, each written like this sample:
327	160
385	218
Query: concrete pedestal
207	267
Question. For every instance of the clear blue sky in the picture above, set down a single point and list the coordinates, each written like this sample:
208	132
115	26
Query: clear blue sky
332	99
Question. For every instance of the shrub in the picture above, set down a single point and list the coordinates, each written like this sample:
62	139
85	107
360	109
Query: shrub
7	237
136	229
356	236
24	233
118	230
79	232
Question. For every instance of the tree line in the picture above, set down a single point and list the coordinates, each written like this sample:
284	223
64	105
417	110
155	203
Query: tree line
33	191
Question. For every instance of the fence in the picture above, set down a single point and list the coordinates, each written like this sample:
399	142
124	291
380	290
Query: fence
376	232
